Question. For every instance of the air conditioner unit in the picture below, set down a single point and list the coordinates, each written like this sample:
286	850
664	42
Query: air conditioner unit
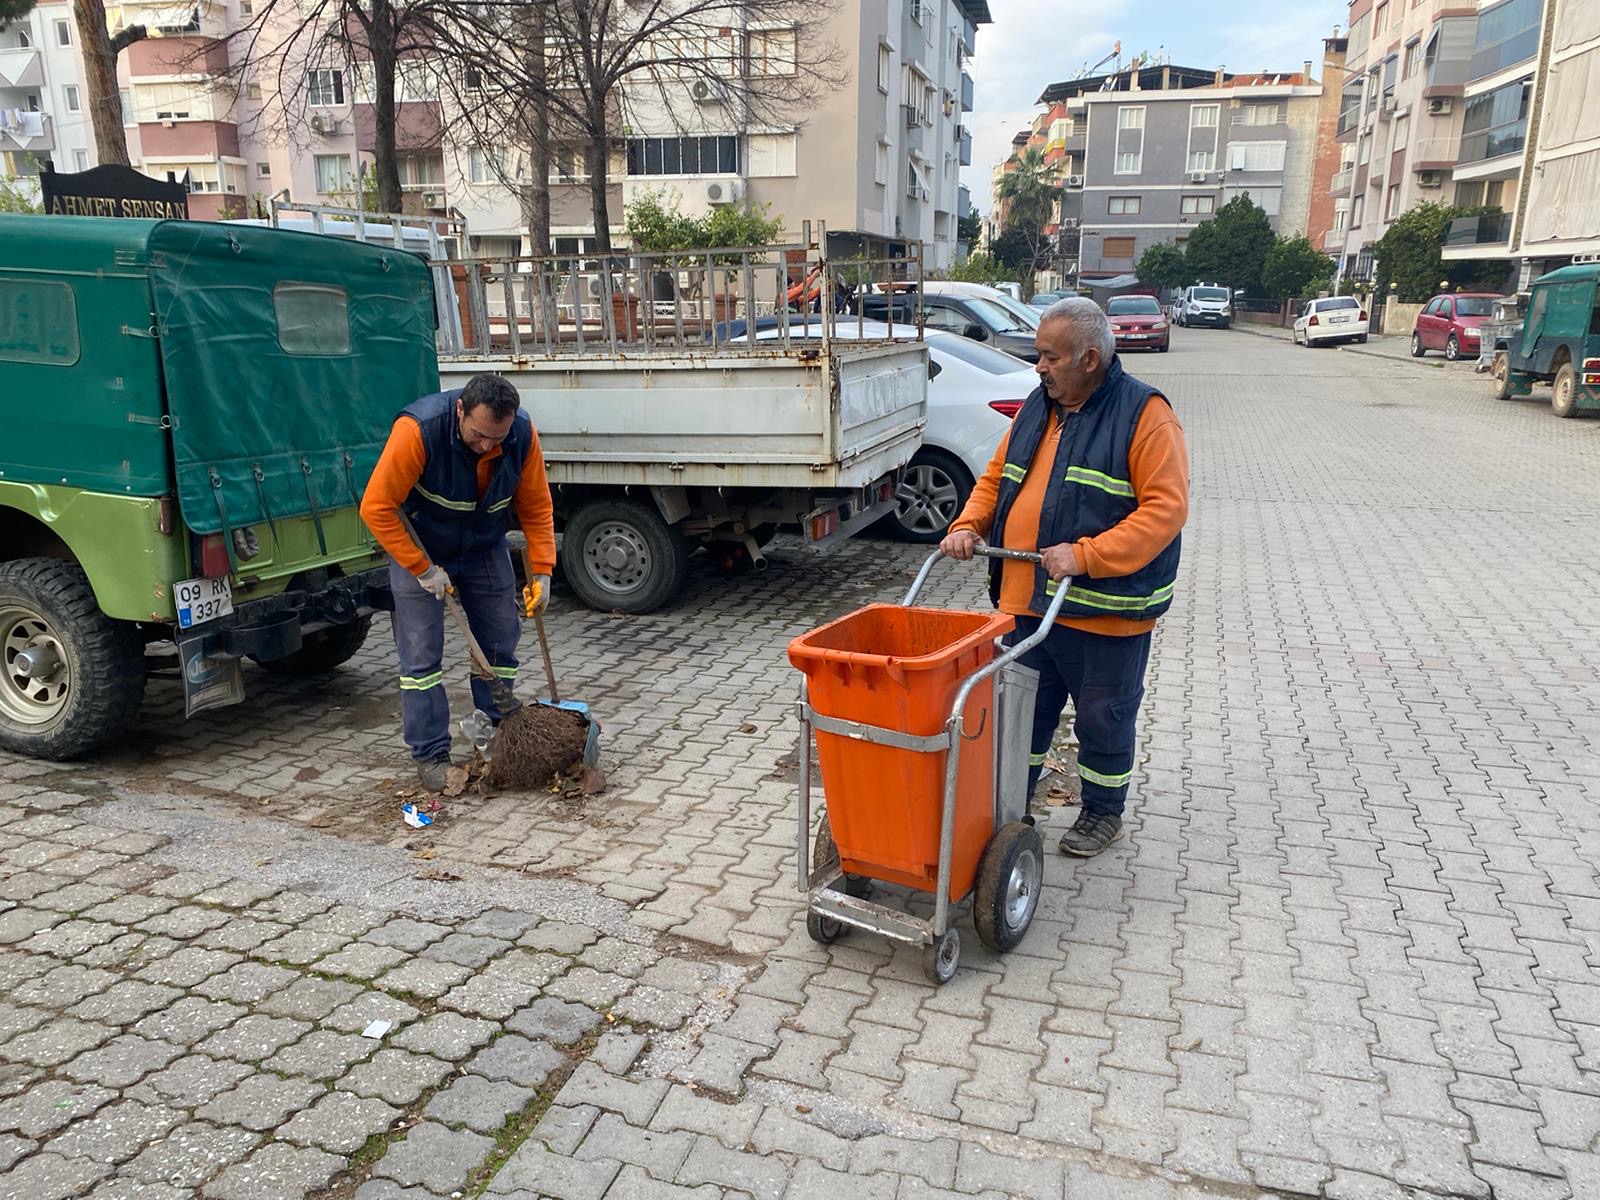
1440	106
701	92
725	191
432	199
1074	181
1197	176
1390	103
324	124
1069	222
1430	179
169	123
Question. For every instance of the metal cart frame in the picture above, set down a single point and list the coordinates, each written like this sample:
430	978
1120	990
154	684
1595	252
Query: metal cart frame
829	910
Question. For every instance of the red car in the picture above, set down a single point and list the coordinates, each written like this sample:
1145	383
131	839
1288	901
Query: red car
1138	323
1450	323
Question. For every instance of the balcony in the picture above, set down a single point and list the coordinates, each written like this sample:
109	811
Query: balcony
964	155
1468	233
1497	141
21	68
193	55
1333	241
1434	153
21	130
1340	186
1448	56
188	139
1508	34
966	92
1349	122
417	125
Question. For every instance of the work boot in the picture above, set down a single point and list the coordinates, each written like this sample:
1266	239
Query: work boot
1090	834
431	772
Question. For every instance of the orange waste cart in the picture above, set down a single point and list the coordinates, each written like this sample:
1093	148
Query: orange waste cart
922	722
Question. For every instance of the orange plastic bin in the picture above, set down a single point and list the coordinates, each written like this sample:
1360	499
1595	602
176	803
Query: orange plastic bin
900	668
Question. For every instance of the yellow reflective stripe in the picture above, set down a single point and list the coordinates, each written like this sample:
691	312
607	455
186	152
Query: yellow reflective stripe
1110	781
421	683
1111	603
456	505
1036	760
1014	472
505	672
501	504
1099	479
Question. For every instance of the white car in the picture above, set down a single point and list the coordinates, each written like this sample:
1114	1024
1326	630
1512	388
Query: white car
973	392
1331	319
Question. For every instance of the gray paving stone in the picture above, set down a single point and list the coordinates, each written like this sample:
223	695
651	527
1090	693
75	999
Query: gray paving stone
612	1138
486	996
710	1162
14	1148
309	998
434	1157
531	968
254	1038
616	1052
184	923
190	1020
274	1172
560	937
683	1111
396	1076
534	1171
48	1176
465	950
20	1018
72	938
191	1154
446	1035
617	957
136	1189
57	1042
62	986
481	1105
501	923
191	967
248	982
190	1082
367	1008
362	960
933	1160
516	1059
261	1102
554	1020
388	1189
584	985
236	893
125	1002
978	1168
635	1102
122	909
322	1054
814	1182
423	977
117	1132
561	1130
340	1122
242	935
51	1105
86	900
653	1006
780	1132
403	933
292	908
300	947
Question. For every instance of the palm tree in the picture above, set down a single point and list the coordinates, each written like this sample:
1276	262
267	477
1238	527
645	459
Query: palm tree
1030	191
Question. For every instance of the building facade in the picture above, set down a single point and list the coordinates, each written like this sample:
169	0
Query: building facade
44	115
1329	217
1558	214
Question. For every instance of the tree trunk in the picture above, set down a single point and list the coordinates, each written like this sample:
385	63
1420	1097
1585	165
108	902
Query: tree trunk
599	146
382	39
537	121
100	82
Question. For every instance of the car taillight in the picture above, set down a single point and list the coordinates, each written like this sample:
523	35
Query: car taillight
1007	408
213	556
1313	319
1363	314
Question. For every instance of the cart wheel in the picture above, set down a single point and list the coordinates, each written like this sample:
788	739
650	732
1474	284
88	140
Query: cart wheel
824	931
824	851
1009	879
939	960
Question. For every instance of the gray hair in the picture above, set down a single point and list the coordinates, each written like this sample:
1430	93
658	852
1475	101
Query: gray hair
1090	328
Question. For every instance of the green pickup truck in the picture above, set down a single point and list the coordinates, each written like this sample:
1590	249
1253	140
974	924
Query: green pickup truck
191	413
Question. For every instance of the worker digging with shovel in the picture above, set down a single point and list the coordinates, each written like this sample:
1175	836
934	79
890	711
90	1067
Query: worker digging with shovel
458	469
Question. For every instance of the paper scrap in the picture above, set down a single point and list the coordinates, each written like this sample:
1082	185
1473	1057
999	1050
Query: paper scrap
377	1029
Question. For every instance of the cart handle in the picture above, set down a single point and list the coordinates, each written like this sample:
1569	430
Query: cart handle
982	551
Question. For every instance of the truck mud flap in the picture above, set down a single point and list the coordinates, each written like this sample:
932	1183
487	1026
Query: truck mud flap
209	681
845	516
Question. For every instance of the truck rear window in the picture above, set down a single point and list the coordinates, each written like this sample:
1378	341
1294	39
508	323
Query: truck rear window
313	318
38	322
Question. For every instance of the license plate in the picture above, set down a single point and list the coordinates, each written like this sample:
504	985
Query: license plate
202	600
1338	320
1136	337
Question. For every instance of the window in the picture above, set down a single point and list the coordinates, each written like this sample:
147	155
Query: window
71	92
313	318
333	173
771	155
426	171
263	170
1202	160
1380	20
1341	220
1268	199
24	38
63	33
1118	248
1413	59
717	155
1256	156
246	9
1358	211
1391	208
125	102
1130	140
486	164
1199	206
1203	116
38	322
1363	149
772	52
885	67
1130	118
1123	206
1260	114
325	88
80	160
881	173
568	165
253	91
1129	163
204	177
1402	132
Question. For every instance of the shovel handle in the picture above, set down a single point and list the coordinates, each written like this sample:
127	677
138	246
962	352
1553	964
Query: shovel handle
538	624
480	660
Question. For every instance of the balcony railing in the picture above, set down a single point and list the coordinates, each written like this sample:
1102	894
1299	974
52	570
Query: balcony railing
964	154
22	130
1333	241
1493	142
21	67
966	92
1341	182
1349	120
1507	34
1434	153
1492	229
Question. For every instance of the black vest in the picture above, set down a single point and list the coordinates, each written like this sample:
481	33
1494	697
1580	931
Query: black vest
1089	492
454	523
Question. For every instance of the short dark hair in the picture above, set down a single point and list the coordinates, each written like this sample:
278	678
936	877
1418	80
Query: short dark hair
494	390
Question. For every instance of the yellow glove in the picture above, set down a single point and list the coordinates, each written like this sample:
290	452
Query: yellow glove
536	596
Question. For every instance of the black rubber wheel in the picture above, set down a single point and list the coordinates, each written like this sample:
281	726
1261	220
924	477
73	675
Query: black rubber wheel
1564	392
939	961
1452	350
1164	348
1500	373
1417	348
825	852
1361	339
71	678
825	931
322	651
932	494
621	556
1010	878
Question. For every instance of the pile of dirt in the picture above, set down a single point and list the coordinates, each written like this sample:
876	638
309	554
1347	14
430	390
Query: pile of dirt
535	744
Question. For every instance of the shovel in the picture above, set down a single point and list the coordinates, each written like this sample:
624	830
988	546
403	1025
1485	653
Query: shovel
591	749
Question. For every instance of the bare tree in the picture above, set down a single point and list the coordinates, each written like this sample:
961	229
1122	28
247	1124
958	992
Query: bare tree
577	70
100	50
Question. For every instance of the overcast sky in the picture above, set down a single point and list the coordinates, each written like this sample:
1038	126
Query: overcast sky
1034	43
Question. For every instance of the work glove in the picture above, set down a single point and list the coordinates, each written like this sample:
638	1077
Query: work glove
434	581
536	596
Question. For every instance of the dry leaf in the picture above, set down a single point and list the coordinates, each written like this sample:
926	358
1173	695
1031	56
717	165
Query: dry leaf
455	781
802	1108
437	875
323	821
424	854
747	728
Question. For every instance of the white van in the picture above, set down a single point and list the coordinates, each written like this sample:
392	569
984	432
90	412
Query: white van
1205	304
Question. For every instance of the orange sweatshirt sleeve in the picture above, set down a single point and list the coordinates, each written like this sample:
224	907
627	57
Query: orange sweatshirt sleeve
399	467
536	511
1158	466
978	514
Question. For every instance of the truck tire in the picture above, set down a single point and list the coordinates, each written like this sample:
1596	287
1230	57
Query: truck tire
1564	392
71	678
1500	372
621	556
322	651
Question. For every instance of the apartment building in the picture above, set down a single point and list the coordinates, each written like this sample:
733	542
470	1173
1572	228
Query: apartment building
1558	213
1400	125
1329	219
43	109
1154	151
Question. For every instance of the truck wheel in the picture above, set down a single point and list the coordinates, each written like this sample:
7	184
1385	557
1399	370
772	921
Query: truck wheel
1564	392
1500	372
932	494
620	556
322	651
71	678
